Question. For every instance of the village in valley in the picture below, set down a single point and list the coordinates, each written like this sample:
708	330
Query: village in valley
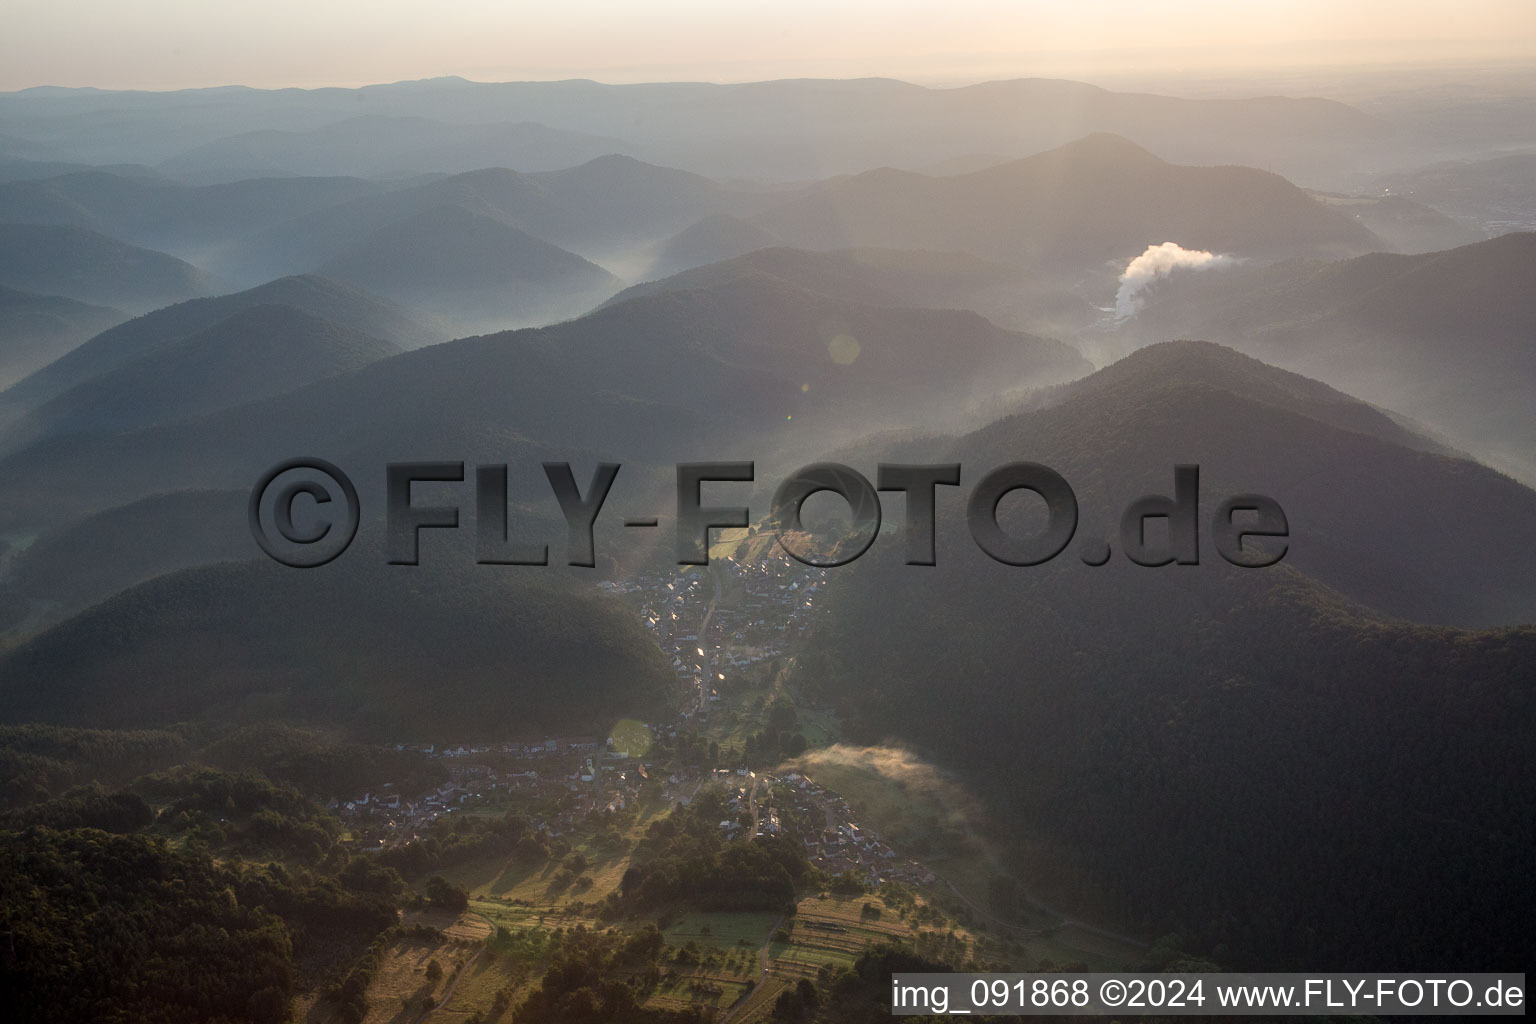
718	647
739	747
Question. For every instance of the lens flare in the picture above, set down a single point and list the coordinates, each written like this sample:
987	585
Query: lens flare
843	348
630	738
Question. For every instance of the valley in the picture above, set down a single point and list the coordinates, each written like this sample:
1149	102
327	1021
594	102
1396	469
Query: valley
1193	630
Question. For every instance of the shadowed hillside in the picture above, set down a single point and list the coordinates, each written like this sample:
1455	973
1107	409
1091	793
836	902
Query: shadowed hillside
1064	213
1444	337
753	363
899	277
602	206
257	353
93	268
719	236
88	561
40	328
1231	753
472	268
344	304
428	653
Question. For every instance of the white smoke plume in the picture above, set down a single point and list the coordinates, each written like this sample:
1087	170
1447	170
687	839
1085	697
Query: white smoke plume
1159	261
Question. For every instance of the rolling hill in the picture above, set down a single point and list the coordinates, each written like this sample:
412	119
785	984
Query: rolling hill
898	277
1404	225
191	221
34	170
753	364
86	562
1444	337
473	270
343	304
720	236
600	207
1229	753
1065	213
1496	192
254	354
762	345
40	328
93	268
432	653
1376	537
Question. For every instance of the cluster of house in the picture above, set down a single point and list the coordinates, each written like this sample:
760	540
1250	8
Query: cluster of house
833	841
779	595
581	775
543	748
838	845
593	783
710	642
384	817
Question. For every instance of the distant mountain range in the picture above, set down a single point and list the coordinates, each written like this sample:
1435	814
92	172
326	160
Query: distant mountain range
1063	214
783	130
13	169
599	207
378	145
194	222
719	236
751	361
496	248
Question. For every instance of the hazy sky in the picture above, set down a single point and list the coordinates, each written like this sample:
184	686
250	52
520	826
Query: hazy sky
176	43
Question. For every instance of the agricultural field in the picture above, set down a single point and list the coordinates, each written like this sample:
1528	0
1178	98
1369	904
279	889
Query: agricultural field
506	913
829	933
493	956
543	884
728	950
405	985
722	930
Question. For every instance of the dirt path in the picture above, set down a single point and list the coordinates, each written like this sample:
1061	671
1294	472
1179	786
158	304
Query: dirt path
442	1004
762	970
762	954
